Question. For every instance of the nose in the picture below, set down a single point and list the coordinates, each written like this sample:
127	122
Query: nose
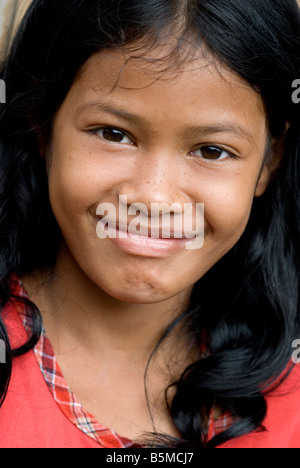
155	185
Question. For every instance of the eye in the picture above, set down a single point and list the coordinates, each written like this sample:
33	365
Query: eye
213	153
113	135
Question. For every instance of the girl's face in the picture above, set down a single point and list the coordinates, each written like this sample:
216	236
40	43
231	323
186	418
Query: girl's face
199	136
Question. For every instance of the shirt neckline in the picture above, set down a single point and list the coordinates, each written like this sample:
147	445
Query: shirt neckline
66	400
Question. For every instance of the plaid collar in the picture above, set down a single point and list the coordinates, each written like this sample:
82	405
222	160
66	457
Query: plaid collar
65	398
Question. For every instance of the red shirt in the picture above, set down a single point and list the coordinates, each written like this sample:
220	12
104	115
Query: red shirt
32	418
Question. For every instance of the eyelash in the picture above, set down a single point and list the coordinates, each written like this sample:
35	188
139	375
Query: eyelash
211	148
117	130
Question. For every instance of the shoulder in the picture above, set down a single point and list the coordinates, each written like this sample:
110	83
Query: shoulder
29	416
282	422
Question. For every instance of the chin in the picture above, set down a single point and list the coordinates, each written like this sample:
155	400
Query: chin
140	295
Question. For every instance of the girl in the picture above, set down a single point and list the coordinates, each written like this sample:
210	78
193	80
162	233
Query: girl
126	339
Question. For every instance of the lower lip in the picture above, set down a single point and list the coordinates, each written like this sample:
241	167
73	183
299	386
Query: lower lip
148	247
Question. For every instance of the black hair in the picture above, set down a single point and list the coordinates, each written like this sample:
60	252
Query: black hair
249	326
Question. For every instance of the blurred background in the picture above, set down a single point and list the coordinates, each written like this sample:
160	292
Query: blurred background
11	11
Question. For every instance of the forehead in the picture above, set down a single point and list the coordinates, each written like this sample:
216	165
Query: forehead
125	68
200	85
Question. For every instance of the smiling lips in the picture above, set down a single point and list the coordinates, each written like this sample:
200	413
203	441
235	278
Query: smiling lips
147	246
141	243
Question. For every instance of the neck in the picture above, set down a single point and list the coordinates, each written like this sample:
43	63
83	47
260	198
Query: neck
77	312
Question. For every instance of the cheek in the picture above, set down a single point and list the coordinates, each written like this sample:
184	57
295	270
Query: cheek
228	205
230	219
67	194
74	183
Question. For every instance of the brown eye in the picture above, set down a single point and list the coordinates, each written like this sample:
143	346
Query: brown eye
211	152
113	135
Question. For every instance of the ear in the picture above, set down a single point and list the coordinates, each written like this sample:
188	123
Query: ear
275	153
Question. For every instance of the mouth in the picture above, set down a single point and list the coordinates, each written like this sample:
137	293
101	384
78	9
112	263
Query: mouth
154	232
154	241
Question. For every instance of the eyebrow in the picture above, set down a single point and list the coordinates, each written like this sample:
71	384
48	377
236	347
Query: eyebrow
204	130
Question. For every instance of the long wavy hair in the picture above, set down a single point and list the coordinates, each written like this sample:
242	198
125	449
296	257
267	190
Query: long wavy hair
247	326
